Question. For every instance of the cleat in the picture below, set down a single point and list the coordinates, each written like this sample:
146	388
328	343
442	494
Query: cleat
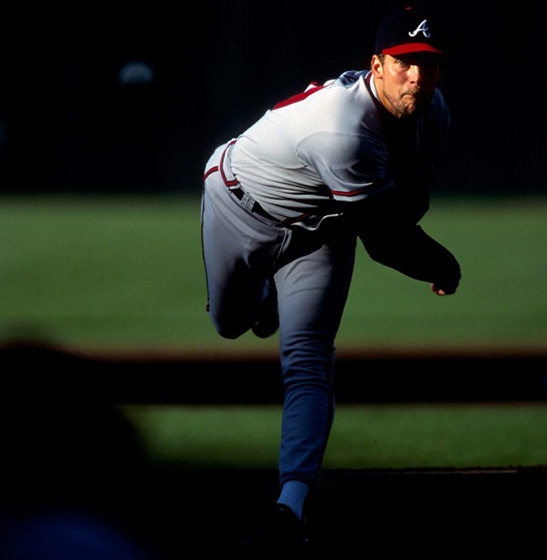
281	532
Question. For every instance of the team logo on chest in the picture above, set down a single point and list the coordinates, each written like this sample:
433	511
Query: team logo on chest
422	28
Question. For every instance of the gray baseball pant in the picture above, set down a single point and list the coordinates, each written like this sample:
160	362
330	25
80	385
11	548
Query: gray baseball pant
312	274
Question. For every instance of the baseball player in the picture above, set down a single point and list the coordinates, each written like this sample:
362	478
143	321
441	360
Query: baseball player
284	204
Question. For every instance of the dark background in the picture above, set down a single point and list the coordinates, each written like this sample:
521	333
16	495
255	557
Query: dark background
68	123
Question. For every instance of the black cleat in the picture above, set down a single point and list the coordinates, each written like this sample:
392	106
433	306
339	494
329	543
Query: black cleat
281	533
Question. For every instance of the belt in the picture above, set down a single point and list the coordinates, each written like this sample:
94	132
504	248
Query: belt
235	188
252	204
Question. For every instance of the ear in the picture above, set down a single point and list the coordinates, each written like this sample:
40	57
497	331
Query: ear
376	67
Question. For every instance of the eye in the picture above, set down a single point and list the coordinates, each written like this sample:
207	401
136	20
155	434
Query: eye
402	64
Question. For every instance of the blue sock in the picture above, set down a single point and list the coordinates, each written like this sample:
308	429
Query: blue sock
293	494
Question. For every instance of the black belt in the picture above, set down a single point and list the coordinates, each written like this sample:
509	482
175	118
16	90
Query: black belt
239	193
233	184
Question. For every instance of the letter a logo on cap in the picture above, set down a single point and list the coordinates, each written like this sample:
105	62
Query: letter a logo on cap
423	27
395	35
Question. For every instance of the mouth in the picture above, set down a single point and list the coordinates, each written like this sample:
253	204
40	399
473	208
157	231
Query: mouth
414	94
411	101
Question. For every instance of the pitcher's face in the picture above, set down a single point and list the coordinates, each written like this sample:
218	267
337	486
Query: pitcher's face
406	83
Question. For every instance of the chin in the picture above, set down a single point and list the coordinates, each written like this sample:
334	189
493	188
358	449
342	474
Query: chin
408	111
415	108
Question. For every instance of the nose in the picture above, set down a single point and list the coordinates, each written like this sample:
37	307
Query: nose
424	74
416	74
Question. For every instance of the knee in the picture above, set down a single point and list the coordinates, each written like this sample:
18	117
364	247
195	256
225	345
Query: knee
229	333
229	329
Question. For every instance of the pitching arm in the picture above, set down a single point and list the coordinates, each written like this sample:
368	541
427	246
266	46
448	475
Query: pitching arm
412	252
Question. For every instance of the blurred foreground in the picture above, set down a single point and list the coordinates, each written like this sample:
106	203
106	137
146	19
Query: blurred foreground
77	483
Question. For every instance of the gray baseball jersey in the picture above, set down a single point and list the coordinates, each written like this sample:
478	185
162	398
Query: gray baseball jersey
327	146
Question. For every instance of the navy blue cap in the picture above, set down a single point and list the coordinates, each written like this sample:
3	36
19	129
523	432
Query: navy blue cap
411	30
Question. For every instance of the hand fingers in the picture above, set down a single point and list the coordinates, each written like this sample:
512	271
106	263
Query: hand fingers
442	291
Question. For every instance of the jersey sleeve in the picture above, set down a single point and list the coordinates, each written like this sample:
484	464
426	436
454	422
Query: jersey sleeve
352	167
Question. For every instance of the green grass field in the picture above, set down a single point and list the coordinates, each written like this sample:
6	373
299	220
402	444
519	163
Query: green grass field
421	436
107	273
126	272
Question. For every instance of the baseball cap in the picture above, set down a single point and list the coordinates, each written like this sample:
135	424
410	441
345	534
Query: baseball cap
411	30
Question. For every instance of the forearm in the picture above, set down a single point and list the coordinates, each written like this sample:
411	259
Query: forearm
412	252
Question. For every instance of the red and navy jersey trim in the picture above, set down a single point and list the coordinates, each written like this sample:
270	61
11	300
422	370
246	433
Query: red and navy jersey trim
299	96
210	172
220	167
351	193
227	182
